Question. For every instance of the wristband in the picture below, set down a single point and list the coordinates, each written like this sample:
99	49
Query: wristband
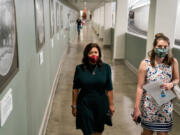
73	106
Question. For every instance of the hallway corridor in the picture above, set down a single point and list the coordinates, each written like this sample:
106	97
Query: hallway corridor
62	122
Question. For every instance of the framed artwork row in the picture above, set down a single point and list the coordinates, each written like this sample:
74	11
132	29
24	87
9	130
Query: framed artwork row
8	35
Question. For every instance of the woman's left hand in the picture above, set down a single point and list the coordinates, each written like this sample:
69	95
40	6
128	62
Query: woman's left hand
167	86
111	108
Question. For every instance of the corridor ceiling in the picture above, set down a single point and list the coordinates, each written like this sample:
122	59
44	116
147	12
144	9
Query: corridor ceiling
88	4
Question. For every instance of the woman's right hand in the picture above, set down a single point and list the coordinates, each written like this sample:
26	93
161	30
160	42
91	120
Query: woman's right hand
74	111
136	113
112	110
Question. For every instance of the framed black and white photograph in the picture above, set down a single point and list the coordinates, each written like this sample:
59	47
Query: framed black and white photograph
61	16
8	43
57	16
51	9
39	22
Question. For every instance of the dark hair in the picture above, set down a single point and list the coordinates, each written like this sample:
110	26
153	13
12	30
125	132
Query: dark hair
168	60
87	49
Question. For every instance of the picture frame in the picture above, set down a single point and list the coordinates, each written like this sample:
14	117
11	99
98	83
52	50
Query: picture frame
57	16
61	16
9	65
51	9
39	24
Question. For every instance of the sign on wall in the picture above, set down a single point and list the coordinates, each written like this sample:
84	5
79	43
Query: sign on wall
6	107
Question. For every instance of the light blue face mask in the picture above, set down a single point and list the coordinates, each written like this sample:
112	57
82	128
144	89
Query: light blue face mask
161	52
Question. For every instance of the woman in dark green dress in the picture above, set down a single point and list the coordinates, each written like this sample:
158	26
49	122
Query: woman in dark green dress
92	102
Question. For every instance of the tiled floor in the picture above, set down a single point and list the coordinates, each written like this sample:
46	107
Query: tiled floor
62	122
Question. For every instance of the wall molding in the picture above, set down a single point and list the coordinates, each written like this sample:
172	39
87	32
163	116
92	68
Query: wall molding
131	67
177	108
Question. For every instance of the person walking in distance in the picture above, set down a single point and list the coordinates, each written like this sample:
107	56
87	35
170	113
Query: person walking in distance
78	22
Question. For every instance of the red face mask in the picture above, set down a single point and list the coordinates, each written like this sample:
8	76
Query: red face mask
93	58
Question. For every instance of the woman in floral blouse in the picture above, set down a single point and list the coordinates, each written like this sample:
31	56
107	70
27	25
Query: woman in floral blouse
160	66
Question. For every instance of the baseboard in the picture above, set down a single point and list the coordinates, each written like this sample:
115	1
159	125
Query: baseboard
117	61
131	67
177	108
101	38
107	46
46	116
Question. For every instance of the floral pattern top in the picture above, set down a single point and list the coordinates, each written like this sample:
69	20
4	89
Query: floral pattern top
156	117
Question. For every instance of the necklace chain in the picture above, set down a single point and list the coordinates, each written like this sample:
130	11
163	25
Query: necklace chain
94	71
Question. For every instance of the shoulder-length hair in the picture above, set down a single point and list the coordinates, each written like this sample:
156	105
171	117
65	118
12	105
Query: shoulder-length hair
87	49
168	60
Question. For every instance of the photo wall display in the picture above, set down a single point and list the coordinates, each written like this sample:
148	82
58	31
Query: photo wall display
57	16
61	16
39	23
8	43
51	9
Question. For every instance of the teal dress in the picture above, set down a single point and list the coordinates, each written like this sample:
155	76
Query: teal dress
92	102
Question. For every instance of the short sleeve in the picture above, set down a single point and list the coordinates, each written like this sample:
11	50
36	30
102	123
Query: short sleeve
109	85
76	79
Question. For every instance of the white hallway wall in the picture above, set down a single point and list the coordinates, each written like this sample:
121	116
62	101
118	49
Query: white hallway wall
141	19
177	33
